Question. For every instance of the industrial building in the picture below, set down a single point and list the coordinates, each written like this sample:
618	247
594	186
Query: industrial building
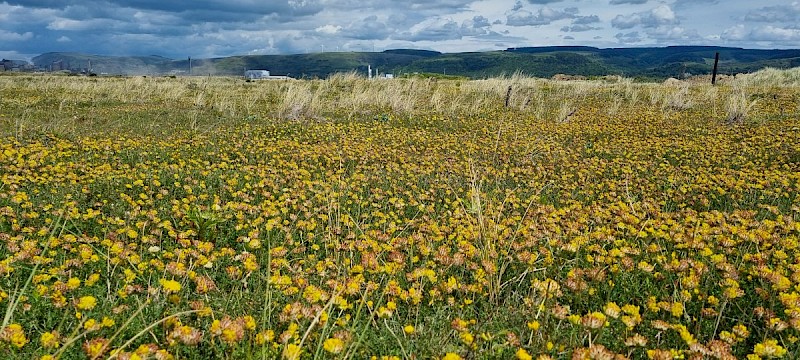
262	75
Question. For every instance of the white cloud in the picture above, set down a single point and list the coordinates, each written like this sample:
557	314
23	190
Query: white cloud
768	33
780	13
672	33
543	16
772	33
661	15
14	36
328	29
734	33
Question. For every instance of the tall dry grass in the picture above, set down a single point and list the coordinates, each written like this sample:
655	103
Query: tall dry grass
203	103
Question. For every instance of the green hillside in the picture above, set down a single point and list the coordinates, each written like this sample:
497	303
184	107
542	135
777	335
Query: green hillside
125	65
647	63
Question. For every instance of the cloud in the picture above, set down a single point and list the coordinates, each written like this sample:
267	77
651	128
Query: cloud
14	36
658	16
368	28
620	2
773	33
434	29
212	28
734	33
629	38
543	16
779	13
579	28
674	33
476	26
583	20
768	33
479	21
328	29
689	3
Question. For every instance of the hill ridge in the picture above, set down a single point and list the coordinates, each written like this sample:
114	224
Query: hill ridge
544	61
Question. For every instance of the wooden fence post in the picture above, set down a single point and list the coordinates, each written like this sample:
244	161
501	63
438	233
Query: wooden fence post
714	73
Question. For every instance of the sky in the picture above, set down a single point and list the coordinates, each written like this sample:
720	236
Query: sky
218	28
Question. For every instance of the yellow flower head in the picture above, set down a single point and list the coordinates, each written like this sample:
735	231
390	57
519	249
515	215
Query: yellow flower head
769	349
333	345
292	352
534	325
170	286
451	356
409	329
49	340
522	354
86	302
14	334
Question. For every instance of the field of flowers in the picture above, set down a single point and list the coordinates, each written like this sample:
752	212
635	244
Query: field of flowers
158	218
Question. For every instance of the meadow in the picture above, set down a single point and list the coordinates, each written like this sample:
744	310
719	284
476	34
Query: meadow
346	218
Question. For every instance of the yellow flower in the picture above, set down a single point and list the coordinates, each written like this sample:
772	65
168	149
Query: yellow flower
676	309
594	320
451	356
49	340
534	325
522	354
91	325
333	345
170	286
73	283
409	329
467	338
612	310
264	336
107	322
249	322
14	334
86	302
769	349
292	352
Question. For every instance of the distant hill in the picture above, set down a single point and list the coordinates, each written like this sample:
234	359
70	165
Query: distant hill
125	65
647	63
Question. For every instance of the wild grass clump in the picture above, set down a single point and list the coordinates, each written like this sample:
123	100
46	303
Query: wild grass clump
771	77
738	106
